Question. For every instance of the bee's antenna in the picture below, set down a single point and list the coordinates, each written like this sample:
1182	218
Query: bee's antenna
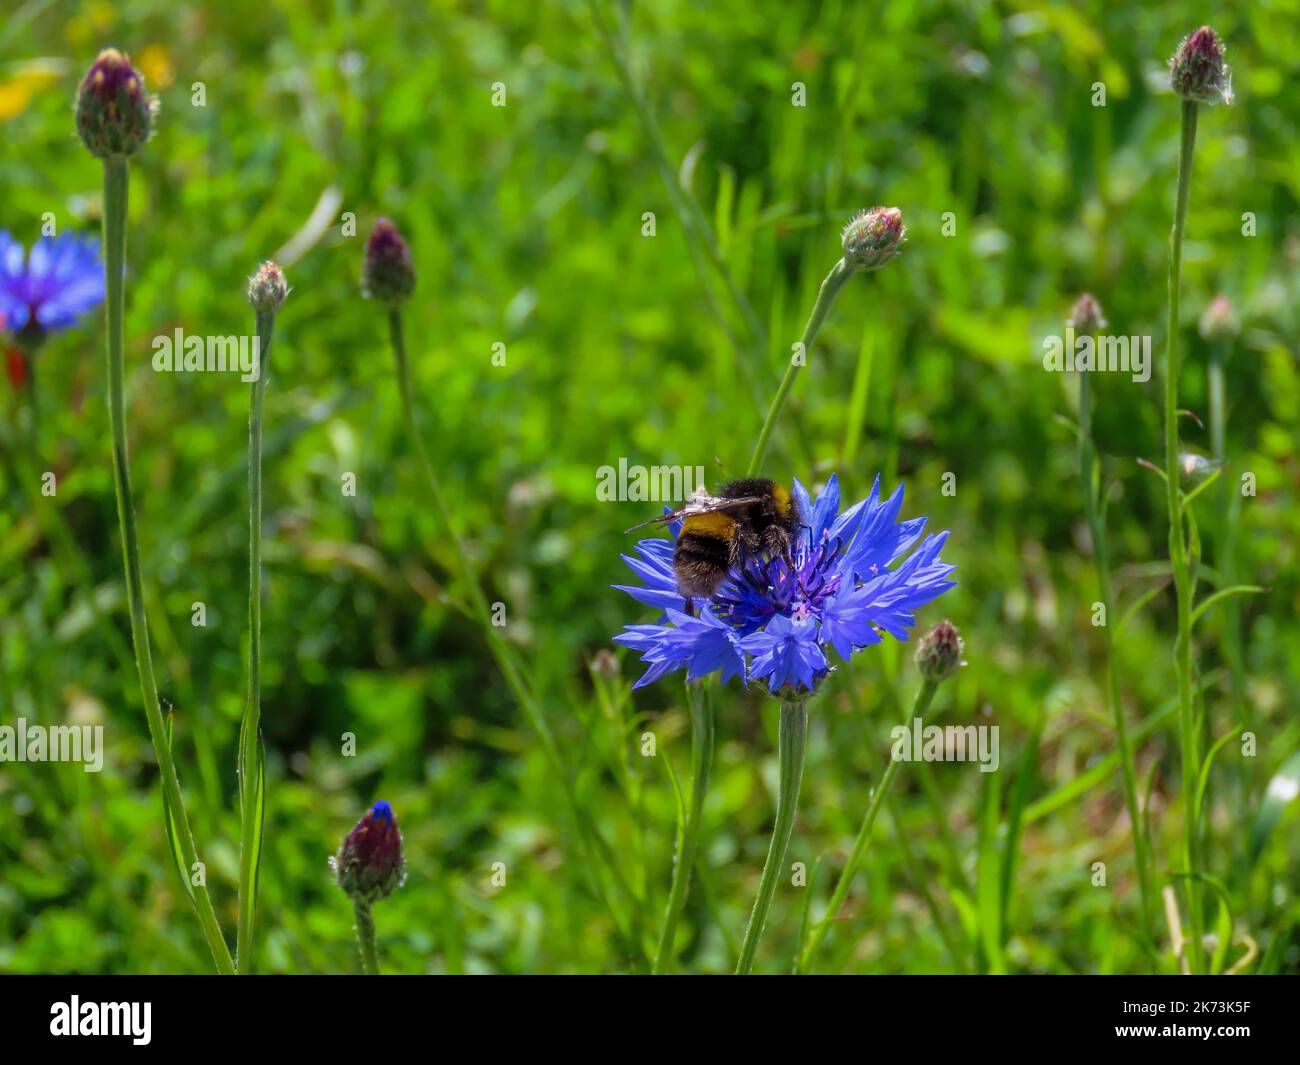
662	519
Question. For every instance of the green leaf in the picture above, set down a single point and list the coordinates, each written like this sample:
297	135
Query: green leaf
1224	934
1282	790
1224	593
988	896
1204	781
1138	604
169	825
677	792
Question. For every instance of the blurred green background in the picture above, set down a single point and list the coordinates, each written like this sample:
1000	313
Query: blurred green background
526	223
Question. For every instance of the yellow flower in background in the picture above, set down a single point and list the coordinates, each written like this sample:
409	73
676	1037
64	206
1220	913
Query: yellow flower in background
155	63
83	30
17	90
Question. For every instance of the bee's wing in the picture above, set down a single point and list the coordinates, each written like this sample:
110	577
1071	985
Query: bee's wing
699	505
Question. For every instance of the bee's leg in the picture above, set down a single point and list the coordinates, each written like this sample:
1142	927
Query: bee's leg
745	542
690	606
777	542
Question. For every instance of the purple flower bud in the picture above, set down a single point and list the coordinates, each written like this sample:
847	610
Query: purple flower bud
1219	321
938	656
1197	70
388	273
873	237
267	288
114	113
369	864
1086	316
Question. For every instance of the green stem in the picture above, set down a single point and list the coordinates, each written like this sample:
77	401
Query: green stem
1101	556
701	704
830	288
505	661
250	733
366	938
1229	508
878	796
793	739
116	183
1178	555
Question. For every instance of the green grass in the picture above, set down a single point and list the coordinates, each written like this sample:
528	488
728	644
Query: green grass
526	226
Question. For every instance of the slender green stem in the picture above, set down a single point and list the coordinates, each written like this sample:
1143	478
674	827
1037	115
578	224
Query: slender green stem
830	288
793	739
1229	506
250	735
878	796
505	660
366	938
701	704
116	183
1187	726
1101	555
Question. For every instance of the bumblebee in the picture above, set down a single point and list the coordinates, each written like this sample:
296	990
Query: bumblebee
746	518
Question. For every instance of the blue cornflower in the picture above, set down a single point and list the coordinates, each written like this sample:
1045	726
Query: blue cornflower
61	279
773	620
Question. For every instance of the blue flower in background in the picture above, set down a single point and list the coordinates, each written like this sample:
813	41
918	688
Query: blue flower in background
773	620
60	280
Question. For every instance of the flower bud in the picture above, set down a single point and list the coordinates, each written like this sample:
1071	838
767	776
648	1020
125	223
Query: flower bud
604	663
388	273
1219	320
1086	317
267	288
1197	70
114	113
369	864
873	237
938	656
